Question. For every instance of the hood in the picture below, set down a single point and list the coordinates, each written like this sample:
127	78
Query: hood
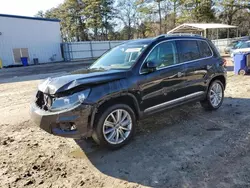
80	78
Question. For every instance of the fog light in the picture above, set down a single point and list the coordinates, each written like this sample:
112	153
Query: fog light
68	126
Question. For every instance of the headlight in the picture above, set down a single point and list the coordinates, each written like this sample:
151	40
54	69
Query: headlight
69	101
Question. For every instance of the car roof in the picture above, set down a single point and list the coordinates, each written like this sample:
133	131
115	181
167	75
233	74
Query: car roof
164	37
182	37
242	42
140	41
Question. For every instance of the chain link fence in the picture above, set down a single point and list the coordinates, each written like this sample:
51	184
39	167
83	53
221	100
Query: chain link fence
75	51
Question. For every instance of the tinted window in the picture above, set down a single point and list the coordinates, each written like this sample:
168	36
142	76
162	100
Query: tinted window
188	50
163	55
204	49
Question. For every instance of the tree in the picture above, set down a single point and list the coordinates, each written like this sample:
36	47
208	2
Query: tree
175	5
229	8
126	12
148	24
198	11
92	11
107	13
73	25
242	20
160	14
40	14
205	11
126	19
98	15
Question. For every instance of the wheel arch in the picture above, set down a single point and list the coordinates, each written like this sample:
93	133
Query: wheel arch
126	98
220	78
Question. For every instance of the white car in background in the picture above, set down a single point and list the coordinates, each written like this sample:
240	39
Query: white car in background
243	47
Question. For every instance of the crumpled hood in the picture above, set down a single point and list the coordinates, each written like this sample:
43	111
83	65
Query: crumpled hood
79	78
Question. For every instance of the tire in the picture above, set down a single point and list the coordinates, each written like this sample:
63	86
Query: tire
242	72
208	103
99	135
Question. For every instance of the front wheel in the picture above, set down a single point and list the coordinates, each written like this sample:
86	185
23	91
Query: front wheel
215	96
115	126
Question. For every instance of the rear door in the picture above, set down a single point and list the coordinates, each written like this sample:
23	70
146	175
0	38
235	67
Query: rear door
195	55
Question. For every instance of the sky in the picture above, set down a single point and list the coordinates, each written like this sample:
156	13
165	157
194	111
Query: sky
26	7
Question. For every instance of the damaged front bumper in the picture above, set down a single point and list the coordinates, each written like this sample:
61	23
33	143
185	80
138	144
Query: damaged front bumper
71	123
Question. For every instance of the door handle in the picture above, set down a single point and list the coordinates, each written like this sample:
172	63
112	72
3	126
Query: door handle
180	74
209	67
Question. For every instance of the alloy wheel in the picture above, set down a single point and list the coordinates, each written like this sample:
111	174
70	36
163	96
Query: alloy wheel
117	126
216	94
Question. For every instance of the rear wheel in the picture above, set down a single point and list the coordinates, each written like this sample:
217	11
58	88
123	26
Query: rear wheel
215	96
115	126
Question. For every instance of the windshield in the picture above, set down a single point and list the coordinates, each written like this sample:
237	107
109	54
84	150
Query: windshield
121	57
239	44
233	44
243	45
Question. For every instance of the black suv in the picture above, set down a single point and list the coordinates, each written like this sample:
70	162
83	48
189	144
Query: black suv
133	80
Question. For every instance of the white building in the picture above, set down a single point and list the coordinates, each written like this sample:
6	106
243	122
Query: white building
29	37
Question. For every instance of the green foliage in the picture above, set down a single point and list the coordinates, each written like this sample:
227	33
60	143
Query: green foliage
126	19
40	14
229	8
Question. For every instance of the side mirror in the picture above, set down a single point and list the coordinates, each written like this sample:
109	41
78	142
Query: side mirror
151	66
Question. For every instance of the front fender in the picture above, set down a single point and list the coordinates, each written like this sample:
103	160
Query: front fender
113	91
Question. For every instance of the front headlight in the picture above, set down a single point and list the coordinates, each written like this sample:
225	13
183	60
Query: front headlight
63	103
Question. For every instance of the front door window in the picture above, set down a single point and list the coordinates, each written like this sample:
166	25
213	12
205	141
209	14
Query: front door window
163	55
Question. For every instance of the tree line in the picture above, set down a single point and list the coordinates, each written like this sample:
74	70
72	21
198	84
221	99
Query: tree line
83	20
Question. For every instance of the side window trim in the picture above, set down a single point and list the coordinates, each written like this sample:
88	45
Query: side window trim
199	49
176	57
186	62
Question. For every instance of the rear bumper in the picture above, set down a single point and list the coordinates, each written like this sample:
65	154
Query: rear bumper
52	122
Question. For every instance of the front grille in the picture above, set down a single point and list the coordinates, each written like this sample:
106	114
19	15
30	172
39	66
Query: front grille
43	101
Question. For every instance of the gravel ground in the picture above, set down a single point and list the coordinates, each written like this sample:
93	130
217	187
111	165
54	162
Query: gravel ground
41	71
182	147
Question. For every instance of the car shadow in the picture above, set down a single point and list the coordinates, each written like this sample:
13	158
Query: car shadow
175	148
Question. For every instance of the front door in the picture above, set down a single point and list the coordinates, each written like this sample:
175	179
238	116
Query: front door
163	85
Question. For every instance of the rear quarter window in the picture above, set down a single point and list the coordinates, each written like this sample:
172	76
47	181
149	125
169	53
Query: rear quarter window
205	50
188	50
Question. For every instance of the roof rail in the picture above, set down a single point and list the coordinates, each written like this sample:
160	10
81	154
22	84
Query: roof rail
183	34
176	34
160	36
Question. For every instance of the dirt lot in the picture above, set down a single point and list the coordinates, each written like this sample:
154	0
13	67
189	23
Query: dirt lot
183	147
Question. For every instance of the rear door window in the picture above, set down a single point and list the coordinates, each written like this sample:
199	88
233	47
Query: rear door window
188	50
205	51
